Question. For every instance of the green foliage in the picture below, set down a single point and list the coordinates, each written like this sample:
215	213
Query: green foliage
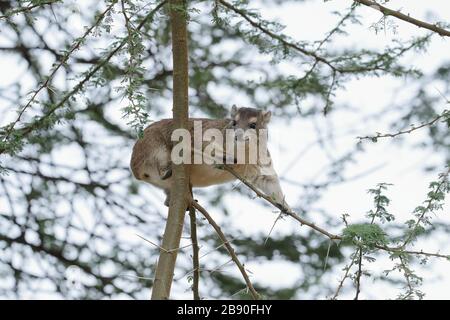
381	202
434	202
133	79
412	280
365	235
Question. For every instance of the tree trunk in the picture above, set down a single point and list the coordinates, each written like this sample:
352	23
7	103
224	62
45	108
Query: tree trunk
180	187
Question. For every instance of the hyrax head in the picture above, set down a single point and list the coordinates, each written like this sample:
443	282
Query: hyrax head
249	118
248	122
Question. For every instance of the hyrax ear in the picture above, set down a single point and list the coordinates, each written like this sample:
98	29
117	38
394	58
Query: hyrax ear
266	115
234	110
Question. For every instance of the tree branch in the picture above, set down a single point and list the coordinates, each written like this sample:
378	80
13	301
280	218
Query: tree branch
229	248
281	207
283	41
49	78
445	115
389	12
28	128
411	252
358	274
331	236
195	250
28	8
347	269
180	179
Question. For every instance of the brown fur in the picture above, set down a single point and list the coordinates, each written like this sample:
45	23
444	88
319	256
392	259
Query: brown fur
150	160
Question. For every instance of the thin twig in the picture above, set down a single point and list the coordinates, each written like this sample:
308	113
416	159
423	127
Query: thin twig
445	114
218	268
419	253
443	177
319	229
273	226
28	8
336	28
389	12
294	46
205	270
152	243
281	207
164	249
195	250
134	276
216	248
281	39
327	256
358	274
49	78
27	129
341	283
328	102
230	249
407	275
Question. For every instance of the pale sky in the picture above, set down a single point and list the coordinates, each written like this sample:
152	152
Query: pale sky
400	165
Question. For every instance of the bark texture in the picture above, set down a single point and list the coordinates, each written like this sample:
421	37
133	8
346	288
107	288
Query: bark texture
180	188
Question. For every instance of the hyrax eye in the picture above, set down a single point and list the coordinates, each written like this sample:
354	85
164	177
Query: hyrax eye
252	125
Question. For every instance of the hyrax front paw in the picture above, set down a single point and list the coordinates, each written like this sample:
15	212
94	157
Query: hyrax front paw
166	173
